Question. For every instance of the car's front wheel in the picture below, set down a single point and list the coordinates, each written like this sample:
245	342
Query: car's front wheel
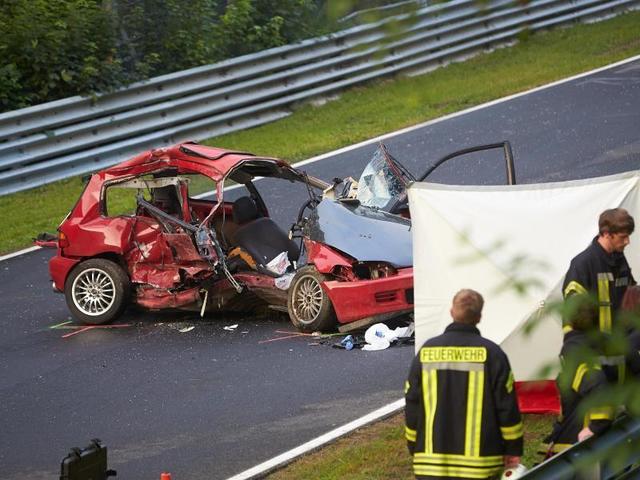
97	291
309	306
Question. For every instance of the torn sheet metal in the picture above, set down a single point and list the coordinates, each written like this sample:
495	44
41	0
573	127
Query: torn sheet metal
156	298
363	233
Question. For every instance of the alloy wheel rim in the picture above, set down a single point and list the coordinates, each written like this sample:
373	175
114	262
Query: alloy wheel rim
308	300
94	292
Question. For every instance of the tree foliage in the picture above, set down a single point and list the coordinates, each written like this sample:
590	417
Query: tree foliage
53	49
162	36
249	25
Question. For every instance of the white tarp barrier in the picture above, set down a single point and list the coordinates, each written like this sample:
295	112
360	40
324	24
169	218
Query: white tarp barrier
490	238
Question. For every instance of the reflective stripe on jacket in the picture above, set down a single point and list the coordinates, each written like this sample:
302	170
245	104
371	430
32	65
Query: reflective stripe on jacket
599	273
461	409
579	379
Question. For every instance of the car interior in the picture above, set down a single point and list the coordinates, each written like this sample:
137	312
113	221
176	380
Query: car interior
260	236
249	239
246	235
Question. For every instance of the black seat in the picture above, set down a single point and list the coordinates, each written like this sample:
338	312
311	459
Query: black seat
259	236
166	198
244	210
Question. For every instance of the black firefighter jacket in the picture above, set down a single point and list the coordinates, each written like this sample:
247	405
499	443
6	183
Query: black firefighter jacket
461	410
599	273
577	380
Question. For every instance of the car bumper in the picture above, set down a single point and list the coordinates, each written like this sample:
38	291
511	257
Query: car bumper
59	268
366	298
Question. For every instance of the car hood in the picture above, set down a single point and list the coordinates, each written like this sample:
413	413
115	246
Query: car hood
364	233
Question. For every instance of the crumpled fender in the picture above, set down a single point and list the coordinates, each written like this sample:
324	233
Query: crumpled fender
156	298
323	257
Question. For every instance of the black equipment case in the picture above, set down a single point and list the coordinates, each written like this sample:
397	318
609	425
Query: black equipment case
89	463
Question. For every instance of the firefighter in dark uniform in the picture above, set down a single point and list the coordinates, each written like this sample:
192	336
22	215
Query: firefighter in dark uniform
581	375
631	315
602	269
462	417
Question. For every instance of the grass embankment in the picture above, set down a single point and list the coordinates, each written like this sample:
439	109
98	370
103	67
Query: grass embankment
380	452
369	111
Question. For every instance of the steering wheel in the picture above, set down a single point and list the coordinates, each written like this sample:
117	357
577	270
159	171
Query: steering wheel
310	204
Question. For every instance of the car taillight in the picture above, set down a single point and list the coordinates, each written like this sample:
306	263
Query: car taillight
63	241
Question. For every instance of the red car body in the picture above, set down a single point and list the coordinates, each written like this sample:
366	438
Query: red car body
174	250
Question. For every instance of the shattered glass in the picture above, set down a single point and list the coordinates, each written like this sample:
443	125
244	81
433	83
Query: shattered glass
381	182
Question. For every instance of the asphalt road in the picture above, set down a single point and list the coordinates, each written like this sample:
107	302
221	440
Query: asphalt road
209	403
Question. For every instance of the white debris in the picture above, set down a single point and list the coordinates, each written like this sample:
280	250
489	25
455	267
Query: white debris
279	264
284	281
379	336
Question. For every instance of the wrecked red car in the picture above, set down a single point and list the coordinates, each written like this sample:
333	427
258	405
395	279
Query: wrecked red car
138	235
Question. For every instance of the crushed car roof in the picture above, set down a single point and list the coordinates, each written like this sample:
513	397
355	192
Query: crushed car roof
214	162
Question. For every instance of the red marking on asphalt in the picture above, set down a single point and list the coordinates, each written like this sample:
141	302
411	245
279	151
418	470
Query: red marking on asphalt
290	334
94	327
67	335
295	335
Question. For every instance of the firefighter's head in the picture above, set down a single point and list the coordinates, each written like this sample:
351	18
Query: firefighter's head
467	307
615	226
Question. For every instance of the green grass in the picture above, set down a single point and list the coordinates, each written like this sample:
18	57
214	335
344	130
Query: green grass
378	108
379	452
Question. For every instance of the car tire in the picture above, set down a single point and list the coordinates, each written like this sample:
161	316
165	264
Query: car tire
97	291
310	309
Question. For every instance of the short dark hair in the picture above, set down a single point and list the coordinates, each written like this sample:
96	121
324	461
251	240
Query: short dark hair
616	220
466	306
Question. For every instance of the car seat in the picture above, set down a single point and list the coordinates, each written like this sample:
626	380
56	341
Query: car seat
260	236
167	199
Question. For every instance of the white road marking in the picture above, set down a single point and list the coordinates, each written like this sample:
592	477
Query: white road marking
464	112
287	457
20	252
318	442
412	128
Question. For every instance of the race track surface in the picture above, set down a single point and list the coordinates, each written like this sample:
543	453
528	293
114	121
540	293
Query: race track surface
209	403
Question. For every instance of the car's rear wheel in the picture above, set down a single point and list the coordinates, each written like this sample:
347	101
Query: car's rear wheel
309	306
97	291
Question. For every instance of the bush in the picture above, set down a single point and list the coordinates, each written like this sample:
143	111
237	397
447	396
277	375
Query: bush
251	25
54	49
59	48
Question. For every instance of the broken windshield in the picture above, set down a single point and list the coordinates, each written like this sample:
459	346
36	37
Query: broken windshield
383	181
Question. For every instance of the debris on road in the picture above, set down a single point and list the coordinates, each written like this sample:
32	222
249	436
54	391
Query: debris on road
379	336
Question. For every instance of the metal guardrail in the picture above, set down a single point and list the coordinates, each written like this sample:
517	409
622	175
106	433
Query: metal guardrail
76	135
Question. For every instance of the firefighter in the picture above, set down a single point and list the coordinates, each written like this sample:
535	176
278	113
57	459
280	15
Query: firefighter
581	375
631	316
602	269
462	417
